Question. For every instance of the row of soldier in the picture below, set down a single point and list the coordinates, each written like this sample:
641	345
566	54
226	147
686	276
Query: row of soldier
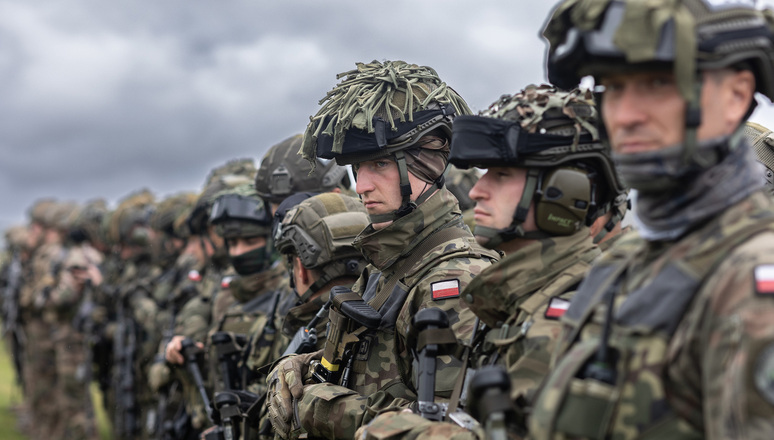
280	306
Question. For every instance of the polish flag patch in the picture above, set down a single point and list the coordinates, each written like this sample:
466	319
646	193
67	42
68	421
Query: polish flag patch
764	279
194	276
225	282
556	308
445	289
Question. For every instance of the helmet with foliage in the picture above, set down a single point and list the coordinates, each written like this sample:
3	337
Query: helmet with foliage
319	231
284	172
388	110
552	134
685	37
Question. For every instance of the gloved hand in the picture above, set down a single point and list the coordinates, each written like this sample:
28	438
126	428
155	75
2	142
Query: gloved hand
286	386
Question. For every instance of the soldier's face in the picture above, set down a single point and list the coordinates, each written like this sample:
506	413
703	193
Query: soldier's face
497	194
378	184
241	245
646	112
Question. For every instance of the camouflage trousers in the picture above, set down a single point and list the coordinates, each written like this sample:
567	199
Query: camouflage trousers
75	410
39	378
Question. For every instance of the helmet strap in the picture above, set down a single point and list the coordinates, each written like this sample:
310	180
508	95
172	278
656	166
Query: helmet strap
407	206
692	122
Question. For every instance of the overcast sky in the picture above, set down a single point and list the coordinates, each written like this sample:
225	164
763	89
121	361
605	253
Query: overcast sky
100	98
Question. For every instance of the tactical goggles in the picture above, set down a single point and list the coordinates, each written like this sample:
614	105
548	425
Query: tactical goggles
238	207
485	142
360	145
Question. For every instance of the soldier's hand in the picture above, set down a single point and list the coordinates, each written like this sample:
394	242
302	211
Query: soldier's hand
286	386
173	353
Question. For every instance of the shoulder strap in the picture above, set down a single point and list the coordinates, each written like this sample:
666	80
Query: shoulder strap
438	238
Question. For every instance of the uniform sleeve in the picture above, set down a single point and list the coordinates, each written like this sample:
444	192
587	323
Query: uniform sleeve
737	345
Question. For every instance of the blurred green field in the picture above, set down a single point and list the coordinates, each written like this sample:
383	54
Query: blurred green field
11	395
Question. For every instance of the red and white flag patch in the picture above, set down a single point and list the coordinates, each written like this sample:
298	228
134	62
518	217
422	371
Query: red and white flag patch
225	282
764	279
194	276
445	289
556	308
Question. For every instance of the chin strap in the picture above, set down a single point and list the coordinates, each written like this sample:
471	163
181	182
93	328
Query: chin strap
516	229
407	205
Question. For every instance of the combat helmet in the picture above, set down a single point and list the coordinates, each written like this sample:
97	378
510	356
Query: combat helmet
171	209
762	141
129	223
231	174
86	226
320	231
387	110
284	172
37	212
598	37
570	176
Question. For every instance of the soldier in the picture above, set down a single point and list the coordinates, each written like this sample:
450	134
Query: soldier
547	181
671	334
80	274
47	233
283	172
762	141
420	253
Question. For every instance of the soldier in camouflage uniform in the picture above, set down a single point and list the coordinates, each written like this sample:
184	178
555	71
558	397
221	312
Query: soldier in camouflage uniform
79	276
209	279
392	122
39	317
762	141
671	334
546	183
459	182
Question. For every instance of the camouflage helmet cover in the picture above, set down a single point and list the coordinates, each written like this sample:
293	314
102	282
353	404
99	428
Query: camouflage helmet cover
132	211
589	37
169	210
283	172
320	230
90	218
37	211
197	220
16	238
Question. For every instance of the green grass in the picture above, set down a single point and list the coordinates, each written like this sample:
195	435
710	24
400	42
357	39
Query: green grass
11	395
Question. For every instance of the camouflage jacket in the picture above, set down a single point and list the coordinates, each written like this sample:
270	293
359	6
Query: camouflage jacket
382	371
520	299
690	352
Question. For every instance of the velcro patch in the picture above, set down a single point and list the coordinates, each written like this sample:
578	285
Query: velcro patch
764	279
556	308
445	289
194	276
225	282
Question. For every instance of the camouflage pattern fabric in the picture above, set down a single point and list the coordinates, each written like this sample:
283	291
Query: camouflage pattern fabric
513	297
74	406
691	336
383	376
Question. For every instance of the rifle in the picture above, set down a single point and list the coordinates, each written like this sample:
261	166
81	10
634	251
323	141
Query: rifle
11	316
84	322
425	322
126	421
305	339
190	353
491	401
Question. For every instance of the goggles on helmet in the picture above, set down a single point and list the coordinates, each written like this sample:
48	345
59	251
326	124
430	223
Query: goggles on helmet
238	207
362	145
488	142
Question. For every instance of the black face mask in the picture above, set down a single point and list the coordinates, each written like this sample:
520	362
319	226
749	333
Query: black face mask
250	262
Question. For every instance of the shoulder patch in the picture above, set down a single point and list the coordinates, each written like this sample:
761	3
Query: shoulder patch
445	289
764	279
556	308
194	276
225	282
